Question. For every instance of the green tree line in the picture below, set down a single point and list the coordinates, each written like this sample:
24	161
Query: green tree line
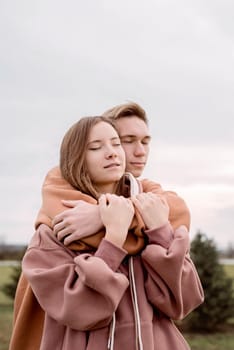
218	306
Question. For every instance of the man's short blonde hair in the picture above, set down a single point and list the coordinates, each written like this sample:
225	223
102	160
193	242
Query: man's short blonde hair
130	109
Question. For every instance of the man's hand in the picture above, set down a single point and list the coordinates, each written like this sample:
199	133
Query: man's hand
81	220
154	210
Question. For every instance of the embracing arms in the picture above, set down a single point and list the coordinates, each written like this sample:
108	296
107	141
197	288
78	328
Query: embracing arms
172	282
81	290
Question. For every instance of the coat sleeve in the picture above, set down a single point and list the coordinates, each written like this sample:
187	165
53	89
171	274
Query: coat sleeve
82	291
172	283
54	189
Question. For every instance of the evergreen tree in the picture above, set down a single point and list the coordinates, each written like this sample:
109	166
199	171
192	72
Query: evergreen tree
218	306
9	288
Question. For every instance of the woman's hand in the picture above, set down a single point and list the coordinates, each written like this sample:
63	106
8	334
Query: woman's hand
116	213
154	210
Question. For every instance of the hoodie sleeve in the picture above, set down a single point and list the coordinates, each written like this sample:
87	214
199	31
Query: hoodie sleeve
172	283
79	291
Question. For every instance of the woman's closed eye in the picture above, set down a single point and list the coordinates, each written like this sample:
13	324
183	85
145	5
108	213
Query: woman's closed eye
94	148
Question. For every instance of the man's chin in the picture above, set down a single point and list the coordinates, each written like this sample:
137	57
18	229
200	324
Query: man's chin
135	172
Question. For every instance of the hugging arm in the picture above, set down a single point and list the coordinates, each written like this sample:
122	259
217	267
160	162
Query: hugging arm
57	210
75	223
81	291
81	219
172	283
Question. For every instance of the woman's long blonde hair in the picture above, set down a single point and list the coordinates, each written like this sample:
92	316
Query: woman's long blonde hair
73	152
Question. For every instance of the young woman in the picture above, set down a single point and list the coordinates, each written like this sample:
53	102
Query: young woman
101	297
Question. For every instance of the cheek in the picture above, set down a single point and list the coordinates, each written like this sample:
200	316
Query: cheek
147	151
127	150
91	171
89	164
94	165
123	156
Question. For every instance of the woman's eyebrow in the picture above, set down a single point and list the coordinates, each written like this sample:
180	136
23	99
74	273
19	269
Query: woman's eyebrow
94	141
98	141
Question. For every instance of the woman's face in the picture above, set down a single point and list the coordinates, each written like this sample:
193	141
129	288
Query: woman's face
105	157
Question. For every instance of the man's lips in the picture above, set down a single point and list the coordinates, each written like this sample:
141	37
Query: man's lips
140	164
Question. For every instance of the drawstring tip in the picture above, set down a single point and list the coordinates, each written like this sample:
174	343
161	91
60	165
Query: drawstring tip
110	343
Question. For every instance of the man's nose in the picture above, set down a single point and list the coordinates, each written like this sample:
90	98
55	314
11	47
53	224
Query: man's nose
139	149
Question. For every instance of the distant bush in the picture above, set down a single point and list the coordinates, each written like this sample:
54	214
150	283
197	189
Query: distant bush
219	299
9	288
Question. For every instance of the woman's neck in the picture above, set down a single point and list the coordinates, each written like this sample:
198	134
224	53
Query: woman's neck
108	188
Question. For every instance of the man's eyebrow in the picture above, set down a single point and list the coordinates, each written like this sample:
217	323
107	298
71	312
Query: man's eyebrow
148	137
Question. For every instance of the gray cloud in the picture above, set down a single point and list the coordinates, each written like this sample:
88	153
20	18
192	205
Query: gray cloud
60	61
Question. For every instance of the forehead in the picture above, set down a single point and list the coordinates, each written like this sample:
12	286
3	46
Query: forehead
133	126
102	130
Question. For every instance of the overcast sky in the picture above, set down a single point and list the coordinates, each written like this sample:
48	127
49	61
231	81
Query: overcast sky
61	60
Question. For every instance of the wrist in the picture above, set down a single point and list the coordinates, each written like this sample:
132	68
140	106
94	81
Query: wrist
116	239
111	254
99	223
161	236
157	224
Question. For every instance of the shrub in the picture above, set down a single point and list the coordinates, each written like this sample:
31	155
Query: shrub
218	306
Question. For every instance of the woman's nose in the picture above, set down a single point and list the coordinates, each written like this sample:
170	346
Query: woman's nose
111	152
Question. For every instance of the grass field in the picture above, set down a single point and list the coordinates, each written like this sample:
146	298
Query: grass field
6	307
229	269
217	341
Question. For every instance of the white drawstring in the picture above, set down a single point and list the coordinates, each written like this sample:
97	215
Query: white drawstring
134	189
110	344
134	184
139	344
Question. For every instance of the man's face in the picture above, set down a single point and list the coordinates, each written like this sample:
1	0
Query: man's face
135	138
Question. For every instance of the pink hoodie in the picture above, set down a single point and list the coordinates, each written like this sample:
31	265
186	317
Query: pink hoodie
107	297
